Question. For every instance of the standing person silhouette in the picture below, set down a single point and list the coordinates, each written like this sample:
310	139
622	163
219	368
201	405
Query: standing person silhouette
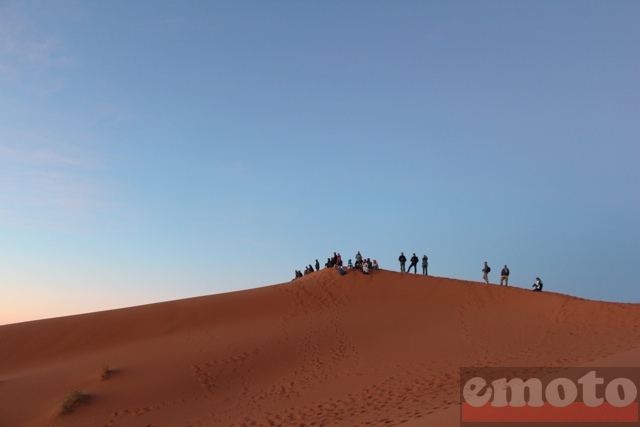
485	272
402	260
425	264
504	276
414	264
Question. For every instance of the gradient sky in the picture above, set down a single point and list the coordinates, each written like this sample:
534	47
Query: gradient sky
156	150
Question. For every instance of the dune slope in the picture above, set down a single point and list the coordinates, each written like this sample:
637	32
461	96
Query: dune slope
377	350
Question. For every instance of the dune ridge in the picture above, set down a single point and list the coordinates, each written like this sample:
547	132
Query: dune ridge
377	350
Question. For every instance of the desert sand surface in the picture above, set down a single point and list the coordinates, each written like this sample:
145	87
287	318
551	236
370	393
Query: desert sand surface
324	350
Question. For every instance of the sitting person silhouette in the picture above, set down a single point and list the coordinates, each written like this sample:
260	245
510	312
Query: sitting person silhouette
537	286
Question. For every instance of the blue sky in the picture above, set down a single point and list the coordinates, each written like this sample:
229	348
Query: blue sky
157	150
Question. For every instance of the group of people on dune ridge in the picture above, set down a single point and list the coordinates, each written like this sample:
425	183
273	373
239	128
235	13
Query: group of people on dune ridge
365	265
504	277
414	263
362	264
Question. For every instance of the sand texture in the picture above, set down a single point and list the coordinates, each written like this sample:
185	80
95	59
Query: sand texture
324	350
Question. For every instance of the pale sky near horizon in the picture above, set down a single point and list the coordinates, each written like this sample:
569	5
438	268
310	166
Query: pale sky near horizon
156	150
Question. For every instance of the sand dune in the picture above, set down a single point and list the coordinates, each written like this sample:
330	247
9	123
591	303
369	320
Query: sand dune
377	350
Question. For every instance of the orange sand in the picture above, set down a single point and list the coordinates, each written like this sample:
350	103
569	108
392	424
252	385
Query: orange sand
377	350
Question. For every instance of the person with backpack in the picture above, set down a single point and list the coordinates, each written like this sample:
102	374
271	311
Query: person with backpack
402	260
504	276
414	264
425	264
485	272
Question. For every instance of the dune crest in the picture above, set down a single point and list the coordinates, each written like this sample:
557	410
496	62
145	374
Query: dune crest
377	350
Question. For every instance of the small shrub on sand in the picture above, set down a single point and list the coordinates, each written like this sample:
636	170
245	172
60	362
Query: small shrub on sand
72	399
106	373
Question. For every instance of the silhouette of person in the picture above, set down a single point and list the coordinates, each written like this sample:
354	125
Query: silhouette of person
504	276
537	286
402	260
365	268
425	264
485	272
414	264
